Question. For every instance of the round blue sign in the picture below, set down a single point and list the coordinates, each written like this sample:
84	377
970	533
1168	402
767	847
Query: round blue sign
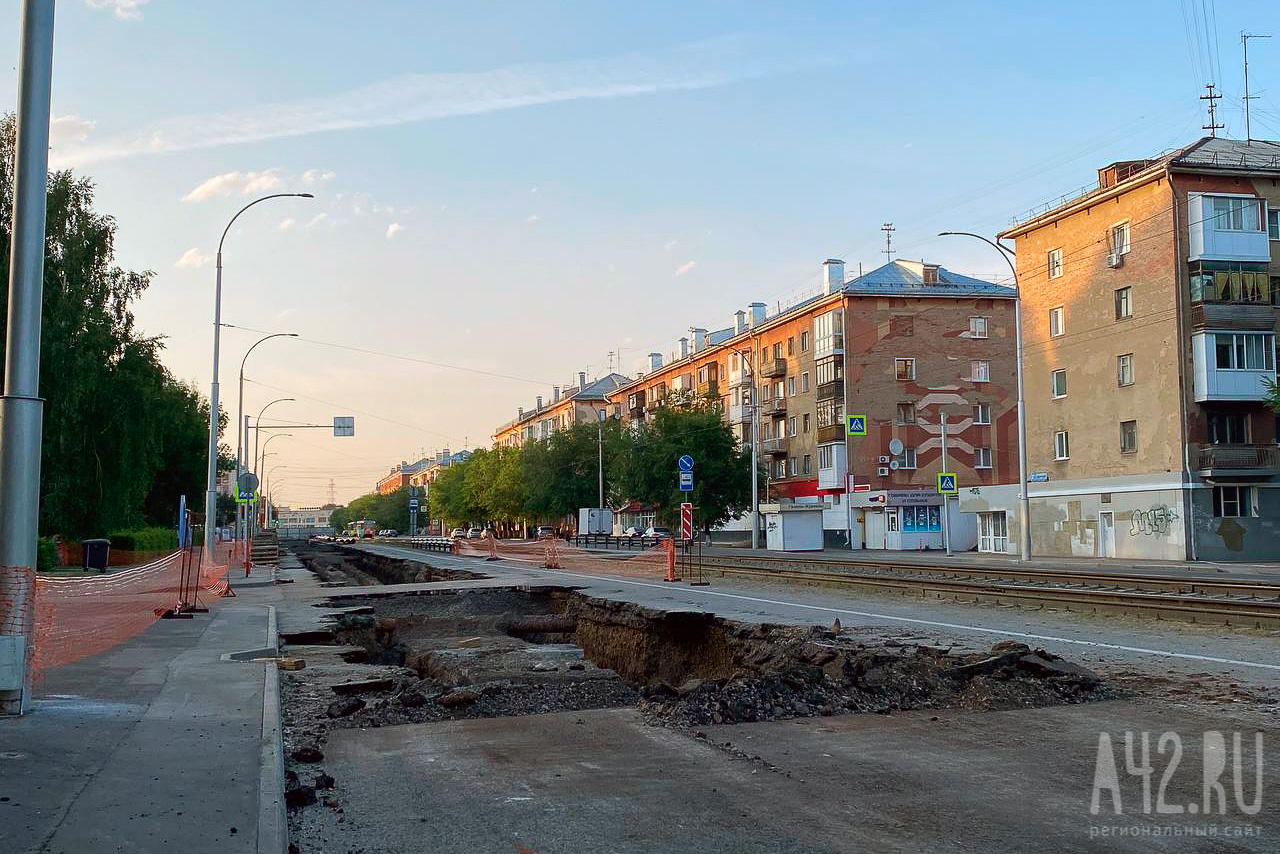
686	463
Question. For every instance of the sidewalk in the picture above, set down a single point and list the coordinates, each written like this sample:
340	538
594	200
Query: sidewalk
970	560
157	745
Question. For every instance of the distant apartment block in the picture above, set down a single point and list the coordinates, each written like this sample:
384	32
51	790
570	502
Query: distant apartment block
568	405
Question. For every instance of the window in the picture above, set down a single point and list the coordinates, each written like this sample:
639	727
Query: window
791	346
805	422
906	459
1055	263
1061	446
1128	437
828	333
1233	501
826	456
1228	428
891	520
982	458
830	413
1237	214
1058	382
1119	239
1056	325
1232	281
1244	351
906	413
702	375
808	462
1273	224
777	390
1124	369
791	426
804	382
804	342
981	413
905	368
780	470
977	327
980	371
830	370
791	467
930	274
791	386
1124	304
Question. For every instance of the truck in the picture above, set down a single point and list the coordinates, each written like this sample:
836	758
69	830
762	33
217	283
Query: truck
595	520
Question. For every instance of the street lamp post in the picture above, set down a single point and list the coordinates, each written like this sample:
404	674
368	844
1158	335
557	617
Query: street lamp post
211	496
755	496
1024	501
253	460
242	517
603	414
262	459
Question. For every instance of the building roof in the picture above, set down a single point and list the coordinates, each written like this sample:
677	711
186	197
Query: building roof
598	389
906	278
1234	154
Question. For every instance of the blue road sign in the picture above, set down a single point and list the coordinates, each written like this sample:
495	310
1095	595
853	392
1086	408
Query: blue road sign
686	463
413	504
686	481
857	425
947	483
1039	477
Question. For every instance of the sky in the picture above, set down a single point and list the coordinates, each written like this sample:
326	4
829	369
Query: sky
508	192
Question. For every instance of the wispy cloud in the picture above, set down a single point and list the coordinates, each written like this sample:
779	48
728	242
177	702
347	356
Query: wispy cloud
69	129
125	10
287	223
318	176
423	97
393	230
532	218
194	258
231	183
685	268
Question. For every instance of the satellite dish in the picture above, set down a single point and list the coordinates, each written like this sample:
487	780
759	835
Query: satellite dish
895	447
894	464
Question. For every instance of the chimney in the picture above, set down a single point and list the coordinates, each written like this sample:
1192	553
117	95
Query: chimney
739	322
582	380
539	406
684	348
655	361
555	394
699	338
519	413
757	315
639	375
446	454
832	276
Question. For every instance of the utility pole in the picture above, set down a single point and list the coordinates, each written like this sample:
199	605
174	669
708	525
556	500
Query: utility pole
1244	38
888	230
1212	97
600	453
946	499
21	409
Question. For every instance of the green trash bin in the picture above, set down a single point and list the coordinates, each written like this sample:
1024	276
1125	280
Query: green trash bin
95	554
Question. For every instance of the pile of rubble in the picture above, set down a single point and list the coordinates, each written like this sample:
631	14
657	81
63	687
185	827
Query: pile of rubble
830	675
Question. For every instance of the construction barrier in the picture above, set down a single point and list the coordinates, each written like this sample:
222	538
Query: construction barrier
654	562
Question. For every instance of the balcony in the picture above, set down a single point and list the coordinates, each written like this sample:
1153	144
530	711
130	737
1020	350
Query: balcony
775	447
833	389
739	377
774	368
832	345
739	413
1255	350
776	406
1236	460
836	475
831	433
1233	315
652	405
1237	236
710	387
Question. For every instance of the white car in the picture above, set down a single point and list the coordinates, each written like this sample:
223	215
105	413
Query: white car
475	533
457	533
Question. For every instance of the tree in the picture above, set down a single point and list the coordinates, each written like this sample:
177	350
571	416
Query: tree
1272	398
722	469
446	496
122	438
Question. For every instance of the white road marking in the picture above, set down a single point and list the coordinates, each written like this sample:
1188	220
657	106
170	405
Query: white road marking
919	622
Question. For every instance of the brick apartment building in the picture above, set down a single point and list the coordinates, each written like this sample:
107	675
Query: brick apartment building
569	405
1149	329
908	345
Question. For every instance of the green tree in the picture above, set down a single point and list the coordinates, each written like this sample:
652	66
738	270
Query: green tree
722	469
1272	398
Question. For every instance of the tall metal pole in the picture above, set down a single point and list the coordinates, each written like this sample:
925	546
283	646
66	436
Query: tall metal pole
242	516
21	409
600	454
755	474
946	506
211	494
1024	500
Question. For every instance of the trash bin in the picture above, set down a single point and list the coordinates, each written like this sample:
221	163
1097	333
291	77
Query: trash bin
95	554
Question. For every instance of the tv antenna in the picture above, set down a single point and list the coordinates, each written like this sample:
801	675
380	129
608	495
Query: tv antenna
888	230
332	492
1244	39
1212	97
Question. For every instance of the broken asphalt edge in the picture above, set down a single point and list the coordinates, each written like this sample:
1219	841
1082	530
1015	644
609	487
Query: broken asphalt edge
273	831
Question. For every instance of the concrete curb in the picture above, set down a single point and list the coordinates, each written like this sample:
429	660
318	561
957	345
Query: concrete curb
273	824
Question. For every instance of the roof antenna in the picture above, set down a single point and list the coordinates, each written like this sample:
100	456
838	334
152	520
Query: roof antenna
888	230
1244	38
1213	127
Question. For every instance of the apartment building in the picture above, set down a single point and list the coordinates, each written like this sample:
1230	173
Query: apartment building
1149	326
419	473
916	349
398	477
303	517
569	405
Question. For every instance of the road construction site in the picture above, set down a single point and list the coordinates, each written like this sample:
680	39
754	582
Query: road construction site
450	703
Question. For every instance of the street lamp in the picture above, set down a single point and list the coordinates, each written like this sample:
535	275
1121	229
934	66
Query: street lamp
1024	501
211	496
258	430
262	461
603	414
755	496
242	438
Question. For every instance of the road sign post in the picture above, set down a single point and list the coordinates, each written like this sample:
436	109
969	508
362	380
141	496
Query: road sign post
686	521
686	481
857	425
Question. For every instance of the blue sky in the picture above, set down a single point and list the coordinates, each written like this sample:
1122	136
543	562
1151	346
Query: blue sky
522	187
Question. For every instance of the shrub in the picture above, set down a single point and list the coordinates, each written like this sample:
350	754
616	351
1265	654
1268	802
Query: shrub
46	554
144	539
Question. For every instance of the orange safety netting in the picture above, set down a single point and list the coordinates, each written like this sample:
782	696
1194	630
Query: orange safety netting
656	562
70	618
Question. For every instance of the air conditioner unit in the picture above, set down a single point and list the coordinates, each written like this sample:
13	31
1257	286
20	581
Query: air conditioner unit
883	471
884	460
1114	259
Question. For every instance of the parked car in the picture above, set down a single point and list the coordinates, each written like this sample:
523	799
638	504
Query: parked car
457	533
633	531
392	532
545	531
475	532
658	533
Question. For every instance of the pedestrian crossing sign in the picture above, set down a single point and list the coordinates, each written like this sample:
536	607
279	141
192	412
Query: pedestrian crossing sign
857	425
947	483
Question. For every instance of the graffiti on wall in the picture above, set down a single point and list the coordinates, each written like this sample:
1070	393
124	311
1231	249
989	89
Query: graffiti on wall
1153	521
